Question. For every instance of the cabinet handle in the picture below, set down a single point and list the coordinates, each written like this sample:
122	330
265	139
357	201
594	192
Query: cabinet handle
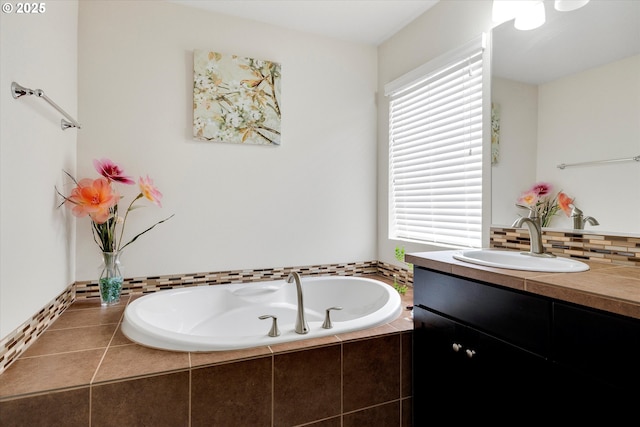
470	353
457	347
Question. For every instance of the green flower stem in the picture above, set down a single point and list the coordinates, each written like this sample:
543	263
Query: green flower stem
148	229
103	234
125	220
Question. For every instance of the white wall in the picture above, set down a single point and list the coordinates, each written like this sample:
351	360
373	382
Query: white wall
38	51
446	26
515	170
311	200
590	116
126	70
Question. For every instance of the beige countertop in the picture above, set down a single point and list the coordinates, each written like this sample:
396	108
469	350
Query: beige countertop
609	287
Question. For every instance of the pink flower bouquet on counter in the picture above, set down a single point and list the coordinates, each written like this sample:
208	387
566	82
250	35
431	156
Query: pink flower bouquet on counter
539	200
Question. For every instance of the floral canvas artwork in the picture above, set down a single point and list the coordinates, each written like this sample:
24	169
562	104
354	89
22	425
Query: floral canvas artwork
236	99
495	133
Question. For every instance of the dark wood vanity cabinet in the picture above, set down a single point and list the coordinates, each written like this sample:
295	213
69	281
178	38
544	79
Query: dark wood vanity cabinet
486	348
477	346
456	366
596	356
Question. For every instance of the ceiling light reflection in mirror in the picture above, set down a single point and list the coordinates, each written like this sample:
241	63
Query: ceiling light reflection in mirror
529	14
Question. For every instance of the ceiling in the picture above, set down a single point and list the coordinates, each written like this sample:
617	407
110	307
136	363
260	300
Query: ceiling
598	33
370	22
601	32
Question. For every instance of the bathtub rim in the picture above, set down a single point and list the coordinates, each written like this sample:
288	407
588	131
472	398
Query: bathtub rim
162	339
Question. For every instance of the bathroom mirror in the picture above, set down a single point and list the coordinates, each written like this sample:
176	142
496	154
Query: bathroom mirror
569	92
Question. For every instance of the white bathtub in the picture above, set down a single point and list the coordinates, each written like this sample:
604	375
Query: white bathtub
226	317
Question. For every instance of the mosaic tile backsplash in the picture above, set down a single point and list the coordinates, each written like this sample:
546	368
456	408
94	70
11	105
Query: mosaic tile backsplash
585	246
622	250
12	346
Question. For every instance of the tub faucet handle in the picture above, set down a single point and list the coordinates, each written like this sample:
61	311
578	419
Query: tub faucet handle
274	332
327	318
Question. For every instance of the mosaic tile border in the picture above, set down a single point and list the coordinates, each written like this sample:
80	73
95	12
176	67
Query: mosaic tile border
143	285
12	346
403	276
619	250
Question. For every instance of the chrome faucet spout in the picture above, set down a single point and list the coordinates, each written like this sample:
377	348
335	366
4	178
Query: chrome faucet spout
591	220
301	323
535	234
579	220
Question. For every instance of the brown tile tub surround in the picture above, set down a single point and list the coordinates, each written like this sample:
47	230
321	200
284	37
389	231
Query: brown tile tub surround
83	372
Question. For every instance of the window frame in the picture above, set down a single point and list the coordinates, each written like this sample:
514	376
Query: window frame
409	81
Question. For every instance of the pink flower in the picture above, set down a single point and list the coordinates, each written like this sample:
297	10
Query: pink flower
542	188
149	190
112	171
94	198
98	199
528	198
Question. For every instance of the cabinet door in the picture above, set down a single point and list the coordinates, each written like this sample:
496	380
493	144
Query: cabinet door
598	344
516	317
483	376
440	376
596	360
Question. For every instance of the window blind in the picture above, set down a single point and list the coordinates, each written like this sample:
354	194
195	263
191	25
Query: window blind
435	152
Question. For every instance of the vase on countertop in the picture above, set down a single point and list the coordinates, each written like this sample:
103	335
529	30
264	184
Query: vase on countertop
111	278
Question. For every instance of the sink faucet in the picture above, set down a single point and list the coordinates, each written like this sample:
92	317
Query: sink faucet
535	232
535	235
301	323
579	220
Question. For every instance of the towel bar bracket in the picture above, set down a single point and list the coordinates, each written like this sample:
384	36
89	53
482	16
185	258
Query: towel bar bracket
18	91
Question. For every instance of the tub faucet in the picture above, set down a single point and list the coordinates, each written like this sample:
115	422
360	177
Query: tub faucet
535	235
580	220
301	322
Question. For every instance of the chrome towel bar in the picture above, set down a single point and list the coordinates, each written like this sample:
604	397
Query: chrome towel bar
597	162
17	91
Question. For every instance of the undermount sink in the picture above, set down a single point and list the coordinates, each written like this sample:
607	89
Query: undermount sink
520	261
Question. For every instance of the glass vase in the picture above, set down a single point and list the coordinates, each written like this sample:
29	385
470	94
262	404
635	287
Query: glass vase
111	278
